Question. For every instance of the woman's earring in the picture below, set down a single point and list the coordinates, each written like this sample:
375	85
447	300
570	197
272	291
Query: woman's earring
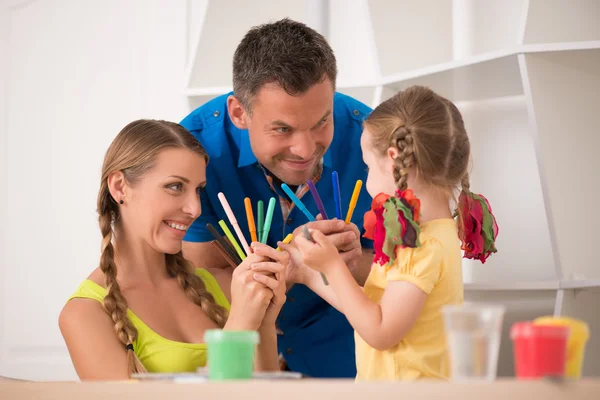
120	201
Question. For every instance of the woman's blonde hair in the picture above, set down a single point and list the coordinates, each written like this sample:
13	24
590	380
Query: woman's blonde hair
133	152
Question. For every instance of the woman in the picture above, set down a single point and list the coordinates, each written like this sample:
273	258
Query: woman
145	308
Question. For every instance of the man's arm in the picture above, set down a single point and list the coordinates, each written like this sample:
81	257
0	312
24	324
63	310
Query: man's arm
203	255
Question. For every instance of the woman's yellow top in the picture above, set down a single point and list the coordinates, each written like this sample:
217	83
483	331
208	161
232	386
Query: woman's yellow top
436	268
154	351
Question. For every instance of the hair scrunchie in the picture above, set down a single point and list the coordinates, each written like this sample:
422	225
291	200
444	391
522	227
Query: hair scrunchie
392	221
478	228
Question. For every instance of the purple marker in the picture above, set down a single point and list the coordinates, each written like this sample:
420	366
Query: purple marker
315	195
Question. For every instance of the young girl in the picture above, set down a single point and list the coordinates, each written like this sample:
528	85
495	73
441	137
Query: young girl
417	151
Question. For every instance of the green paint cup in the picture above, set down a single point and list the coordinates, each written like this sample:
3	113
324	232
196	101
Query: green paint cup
230	354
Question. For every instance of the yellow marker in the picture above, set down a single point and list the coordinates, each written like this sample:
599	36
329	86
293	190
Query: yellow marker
353	200
232	239
287	239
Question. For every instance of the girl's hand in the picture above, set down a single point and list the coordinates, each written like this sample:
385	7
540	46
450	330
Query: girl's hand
320	255
296	272
271	272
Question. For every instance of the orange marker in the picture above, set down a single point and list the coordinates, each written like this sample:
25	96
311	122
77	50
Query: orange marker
353	200
250	216
287	239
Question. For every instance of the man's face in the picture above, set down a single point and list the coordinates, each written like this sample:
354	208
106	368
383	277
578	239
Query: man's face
290	134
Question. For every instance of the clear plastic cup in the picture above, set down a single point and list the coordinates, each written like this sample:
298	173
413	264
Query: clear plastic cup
230	353
473	334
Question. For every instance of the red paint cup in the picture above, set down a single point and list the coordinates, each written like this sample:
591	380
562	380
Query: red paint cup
539	350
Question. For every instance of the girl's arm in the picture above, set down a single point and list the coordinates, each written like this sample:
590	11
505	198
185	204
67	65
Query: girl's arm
381	325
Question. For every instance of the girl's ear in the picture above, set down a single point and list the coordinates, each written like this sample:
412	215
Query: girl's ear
392	153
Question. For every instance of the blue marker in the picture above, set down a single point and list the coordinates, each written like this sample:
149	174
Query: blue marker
297	202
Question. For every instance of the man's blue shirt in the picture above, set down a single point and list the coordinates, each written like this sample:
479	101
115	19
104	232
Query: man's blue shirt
317	340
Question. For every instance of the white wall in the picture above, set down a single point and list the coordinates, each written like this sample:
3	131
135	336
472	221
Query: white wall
504	169
79	71
4	30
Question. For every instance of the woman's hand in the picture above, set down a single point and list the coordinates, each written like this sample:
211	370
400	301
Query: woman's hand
249	297
271	272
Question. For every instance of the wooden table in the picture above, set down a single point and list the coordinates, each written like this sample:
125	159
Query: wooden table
303	389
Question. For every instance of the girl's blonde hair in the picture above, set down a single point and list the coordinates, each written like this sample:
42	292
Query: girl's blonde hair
429	134
133	152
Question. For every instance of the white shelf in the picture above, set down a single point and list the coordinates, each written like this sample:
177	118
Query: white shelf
481	77
533	286
580	284
481	68
509	286
562	20
411	34
565	46
563	90
364	92
213	49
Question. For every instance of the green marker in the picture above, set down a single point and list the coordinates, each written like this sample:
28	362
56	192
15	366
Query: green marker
268	220
261	219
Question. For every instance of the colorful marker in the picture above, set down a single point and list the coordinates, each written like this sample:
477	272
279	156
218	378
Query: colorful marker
268	219
297	201
224	243
286	240
229	235
233	222
315	195
261	219
353	200
336	194
250	217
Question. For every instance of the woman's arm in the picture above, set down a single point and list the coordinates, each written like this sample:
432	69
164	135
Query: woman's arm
267	358
243	291
90	336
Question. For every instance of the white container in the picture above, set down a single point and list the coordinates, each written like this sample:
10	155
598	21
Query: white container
473	333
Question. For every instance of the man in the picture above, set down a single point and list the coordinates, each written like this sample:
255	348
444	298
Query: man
284	123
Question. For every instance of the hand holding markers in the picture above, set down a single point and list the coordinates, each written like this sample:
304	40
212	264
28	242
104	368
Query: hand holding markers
339	233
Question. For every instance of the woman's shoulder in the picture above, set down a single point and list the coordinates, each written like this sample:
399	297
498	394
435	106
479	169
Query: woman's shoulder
220	276
97	276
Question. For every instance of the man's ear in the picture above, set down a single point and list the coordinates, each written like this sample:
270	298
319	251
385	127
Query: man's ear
237	112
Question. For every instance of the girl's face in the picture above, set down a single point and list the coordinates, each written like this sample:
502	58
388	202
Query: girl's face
161	206
381	167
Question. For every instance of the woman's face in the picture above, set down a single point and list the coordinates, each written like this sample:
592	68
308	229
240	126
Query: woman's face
161	206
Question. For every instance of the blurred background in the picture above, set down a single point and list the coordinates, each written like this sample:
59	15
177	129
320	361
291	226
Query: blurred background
524	73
